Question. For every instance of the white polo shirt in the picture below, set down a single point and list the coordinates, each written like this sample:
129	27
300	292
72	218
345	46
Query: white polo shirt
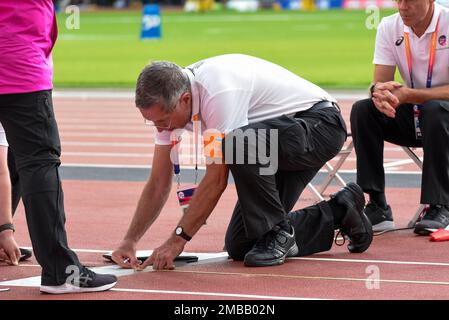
233	90
390	48
3	142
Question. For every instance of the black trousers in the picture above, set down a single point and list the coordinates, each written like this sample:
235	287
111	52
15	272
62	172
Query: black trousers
370	128
35	149
305	143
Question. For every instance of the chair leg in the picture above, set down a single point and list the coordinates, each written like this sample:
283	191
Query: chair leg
333	171
422	207
316	193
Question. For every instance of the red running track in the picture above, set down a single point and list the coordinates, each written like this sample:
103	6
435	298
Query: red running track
98	214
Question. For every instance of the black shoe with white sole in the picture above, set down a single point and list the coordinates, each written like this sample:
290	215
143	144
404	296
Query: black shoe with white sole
437	217
86	281
355	224
380	218
272	248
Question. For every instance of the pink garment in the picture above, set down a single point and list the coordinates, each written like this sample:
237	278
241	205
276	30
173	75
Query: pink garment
28	31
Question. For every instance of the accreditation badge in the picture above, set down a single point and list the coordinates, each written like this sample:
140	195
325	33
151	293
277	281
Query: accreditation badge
185	195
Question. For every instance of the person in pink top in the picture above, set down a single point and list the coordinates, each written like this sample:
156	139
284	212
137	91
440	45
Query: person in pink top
28	32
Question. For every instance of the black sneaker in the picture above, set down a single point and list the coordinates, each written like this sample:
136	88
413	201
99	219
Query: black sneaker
272	249
25	254
88	281
381	219
436	217
355	224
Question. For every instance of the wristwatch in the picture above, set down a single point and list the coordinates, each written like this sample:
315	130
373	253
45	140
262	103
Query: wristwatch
7	226
179	231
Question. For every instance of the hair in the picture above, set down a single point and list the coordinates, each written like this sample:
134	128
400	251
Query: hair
163	83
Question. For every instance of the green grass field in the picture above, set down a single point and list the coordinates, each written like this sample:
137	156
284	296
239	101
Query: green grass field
333	49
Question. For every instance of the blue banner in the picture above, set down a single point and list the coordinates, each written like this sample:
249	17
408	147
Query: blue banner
151	22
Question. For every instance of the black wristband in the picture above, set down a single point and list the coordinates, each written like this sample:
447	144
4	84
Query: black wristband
7	226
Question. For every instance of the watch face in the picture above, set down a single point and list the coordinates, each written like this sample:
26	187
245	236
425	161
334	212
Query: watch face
178	230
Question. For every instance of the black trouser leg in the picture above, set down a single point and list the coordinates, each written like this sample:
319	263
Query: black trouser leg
314	227
370	128
290	185
15	182
304	146
32	133
435	141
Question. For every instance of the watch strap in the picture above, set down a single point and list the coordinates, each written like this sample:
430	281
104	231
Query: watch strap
182	234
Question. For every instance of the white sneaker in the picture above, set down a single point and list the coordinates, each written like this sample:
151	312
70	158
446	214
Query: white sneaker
88	281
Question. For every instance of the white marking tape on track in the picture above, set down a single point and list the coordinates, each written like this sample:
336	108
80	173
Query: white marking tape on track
203	258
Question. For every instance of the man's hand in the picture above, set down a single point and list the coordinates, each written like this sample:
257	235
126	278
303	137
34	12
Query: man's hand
402	94
163	257
384	98
10	251
125	255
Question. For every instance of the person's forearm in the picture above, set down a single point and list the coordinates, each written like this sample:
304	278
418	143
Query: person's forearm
202	204
419	96
5	199
148	209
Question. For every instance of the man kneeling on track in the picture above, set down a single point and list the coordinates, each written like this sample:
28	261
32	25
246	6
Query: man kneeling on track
241	102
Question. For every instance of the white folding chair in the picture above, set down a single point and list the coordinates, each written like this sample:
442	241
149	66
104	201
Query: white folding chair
332	172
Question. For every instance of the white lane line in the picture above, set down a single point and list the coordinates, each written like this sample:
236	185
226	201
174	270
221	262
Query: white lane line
108	154
442	264
215	294
138	127
108	144
224	254
68	133
94	94
90	120
70	116
114	166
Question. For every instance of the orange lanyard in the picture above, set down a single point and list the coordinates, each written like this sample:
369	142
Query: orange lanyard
408	53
